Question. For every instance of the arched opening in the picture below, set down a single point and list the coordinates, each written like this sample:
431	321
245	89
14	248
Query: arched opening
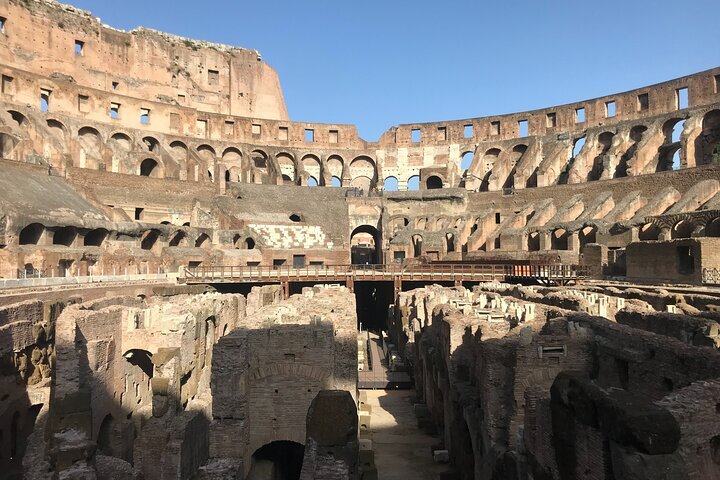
21	120
149	239
683	229
417	243
518	152
31	234
466	161
149	168
21	426
151	144
249	243
278	460
141	359
533	242
712	229
413	183
649	231
636	136
335	166
105	436
312	182
587	235
605	140
95	238
365	245
64	236
559	239
311	166
363	167
707	145
450	242
390	184
286	162
578	146
361	182
489	160
433	182
336	182
202	241
177	239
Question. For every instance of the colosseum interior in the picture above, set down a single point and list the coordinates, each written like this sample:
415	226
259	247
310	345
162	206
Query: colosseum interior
193	286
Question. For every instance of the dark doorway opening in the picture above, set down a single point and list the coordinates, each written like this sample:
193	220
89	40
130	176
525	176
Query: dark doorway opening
279	460
365	245
372	300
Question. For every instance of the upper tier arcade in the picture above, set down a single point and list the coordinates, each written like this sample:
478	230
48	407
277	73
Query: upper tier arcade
77	93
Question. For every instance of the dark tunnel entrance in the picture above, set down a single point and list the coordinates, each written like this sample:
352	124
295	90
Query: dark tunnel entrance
372	300
279	460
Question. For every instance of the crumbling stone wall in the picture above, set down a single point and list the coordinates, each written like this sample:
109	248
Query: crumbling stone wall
565	394
266	373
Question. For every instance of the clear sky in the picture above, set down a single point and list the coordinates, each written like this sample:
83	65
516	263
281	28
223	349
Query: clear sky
378	63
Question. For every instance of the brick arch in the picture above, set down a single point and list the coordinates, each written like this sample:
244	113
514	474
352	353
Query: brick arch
288	369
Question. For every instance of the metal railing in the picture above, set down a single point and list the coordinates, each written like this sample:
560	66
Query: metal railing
468	272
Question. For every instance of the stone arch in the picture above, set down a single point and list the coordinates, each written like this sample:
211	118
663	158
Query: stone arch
413	183
712	227
682	229
390	184
488	164
433	182
141	359
177	239
65	236
516	156
636	135
232	161
288	168
284	458
466	160
31	234
203	241
91	143
417	244
259	166
19	118
335	165
361	253
649	231
707	145
559	239
449	242
149	239
361	182
363	166
150	168
288	369
587	234
95	238
104	436
152	144
311	166
533	242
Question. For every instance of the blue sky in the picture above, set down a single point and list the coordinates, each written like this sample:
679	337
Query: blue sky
378	63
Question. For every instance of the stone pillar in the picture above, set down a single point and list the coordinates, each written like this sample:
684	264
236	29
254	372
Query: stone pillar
573	241
545	242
